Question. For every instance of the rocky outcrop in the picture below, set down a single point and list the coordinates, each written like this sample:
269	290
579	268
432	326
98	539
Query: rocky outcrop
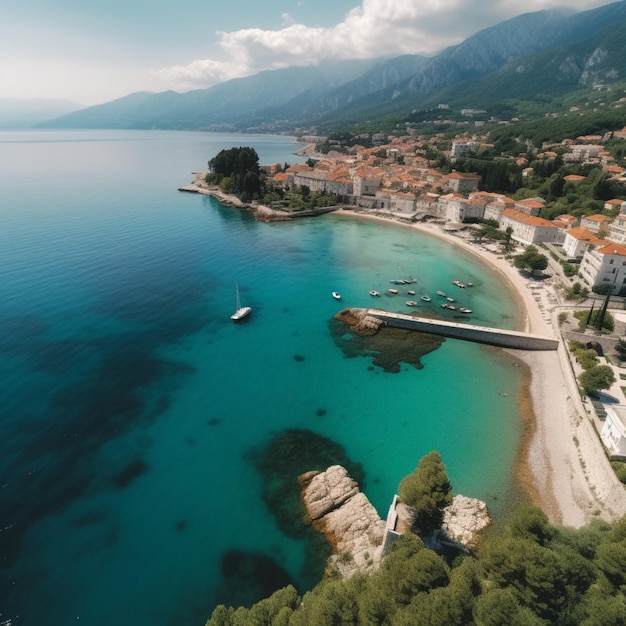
462	522
337	508
464	519
359	321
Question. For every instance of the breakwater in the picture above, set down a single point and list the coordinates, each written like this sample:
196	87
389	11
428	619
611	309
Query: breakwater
468	332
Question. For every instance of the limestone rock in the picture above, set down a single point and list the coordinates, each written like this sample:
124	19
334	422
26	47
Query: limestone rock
359	321
464	518
349	522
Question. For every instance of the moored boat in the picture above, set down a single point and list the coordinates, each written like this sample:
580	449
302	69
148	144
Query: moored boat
464	310
336	295
375	293
411	292
392	291
411	303
441	293
425	298
240	311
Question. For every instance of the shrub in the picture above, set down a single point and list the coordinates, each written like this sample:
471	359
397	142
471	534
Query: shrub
620	470
596	378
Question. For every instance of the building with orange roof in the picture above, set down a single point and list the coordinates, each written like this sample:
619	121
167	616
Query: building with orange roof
565	221
462	183
616	170
530	206
495	208
615	203
366	181
617	229
577	240
574	178
605	264
597	223
528	229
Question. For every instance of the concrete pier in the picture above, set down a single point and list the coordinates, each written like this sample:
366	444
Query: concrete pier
467	332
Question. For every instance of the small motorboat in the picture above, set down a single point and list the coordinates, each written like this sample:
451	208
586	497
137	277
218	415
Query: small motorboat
451	307
465	310
336	295
450	299
392	291
425	298
441	293
411	303
374	293
411	292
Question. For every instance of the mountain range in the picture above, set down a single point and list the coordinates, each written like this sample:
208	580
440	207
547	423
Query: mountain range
545	52
22	112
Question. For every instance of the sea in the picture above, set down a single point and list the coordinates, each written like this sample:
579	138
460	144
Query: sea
147	442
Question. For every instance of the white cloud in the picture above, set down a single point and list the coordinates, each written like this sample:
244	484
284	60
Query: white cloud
376	28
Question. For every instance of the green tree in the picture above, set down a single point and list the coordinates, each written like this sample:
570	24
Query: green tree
428	491
241	165
332	602
602	289
500	607
599	609
531	260
531	572
596	378
530	522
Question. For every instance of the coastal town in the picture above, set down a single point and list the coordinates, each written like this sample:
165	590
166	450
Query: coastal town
570	441
396	180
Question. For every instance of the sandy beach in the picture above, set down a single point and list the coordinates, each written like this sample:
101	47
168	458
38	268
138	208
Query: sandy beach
562	464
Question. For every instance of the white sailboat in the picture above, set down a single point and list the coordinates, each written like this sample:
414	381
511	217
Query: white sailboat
241	311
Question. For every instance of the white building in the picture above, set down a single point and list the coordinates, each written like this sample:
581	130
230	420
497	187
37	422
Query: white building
528	229
617	229
613	433
597	224
577	240
455	209
605	264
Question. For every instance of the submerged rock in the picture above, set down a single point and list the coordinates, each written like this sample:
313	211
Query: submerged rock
387	347
343	514
282	459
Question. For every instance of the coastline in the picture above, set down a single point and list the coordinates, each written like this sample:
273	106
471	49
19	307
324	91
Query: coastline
561	463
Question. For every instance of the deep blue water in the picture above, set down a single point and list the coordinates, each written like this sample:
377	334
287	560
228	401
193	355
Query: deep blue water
132	405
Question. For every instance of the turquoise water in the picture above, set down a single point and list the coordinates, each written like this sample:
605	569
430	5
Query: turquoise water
131	402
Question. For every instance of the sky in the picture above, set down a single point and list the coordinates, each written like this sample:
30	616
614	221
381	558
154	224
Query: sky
93	51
